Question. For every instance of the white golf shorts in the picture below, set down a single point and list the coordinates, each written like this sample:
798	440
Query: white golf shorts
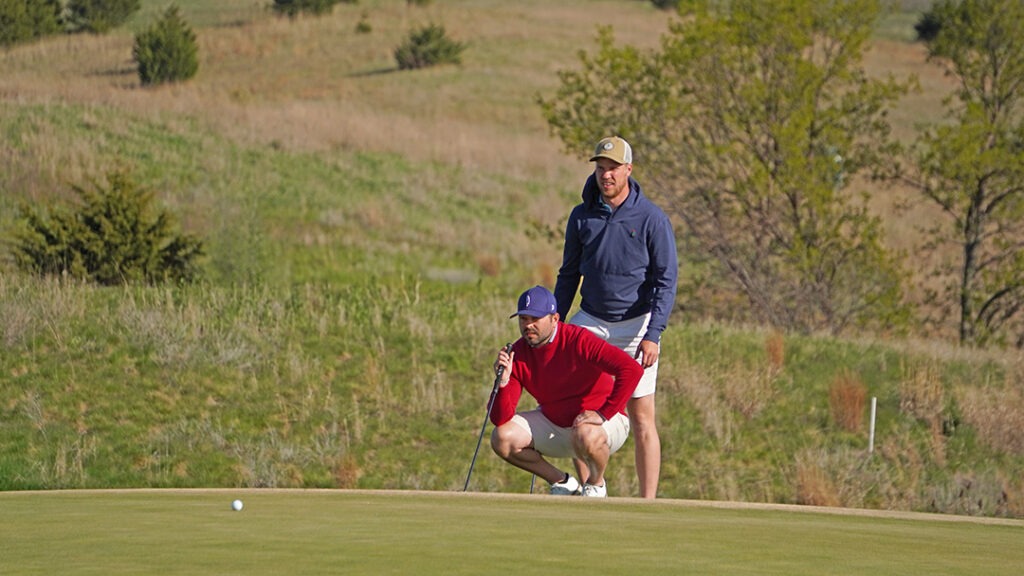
626	335
556	442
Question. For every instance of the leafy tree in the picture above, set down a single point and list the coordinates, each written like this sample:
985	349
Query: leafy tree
115	237
26	20
167	51
100	16
972	167
752	124
428	46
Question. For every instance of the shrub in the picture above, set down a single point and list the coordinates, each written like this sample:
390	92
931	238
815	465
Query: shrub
846	399
99	16
775	349
22	21
167	51
363	26
814	486
114	238
928	26
293	8
428	46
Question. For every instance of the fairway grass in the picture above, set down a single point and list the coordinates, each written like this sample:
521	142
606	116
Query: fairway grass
196	532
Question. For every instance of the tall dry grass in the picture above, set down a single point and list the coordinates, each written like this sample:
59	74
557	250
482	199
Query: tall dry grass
745	388
923	397
814	484
775	352
702	391
846	398
996	413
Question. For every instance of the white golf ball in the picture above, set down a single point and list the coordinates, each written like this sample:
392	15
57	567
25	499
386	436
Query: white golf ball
236	505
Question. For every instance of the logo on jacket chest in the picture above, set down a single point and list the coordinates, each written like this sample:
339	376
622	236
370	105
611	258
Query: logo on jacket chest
600	231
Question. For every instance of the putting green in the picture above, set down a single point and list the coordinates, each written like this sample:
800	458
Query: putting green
196	532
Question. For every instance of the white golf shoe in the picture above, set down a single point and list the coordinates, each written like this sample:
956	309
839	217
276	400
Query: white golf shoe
595	491
570	487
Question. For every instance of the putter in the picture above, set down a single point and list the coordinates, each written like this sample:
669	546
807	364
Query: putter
487	416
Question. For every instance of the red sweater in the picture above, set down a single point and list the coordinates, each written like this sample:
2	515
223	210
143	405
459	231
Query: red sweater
574	372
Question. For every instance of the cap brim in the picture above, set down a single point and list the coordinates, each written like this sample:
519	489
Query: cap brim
599	156
534	313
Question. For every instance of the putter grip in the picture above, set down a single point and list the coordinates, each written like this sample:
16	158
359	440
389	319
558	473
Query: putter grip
501	369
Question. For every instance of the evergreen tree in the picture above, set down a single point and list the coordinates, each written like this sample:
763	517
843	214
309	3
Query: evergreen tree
428	46
292	8
167	51
99	16
115	237
26	20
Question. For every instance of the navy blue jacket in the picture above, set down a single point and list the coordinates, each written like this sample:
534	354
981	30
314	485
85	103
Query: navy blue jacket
627	260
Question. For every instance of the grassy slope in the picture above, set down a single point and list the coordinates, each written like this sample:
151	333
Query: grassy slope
367	230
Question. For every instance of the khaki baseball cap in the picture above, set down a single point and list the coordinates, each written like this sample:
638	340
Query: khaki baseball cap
615	149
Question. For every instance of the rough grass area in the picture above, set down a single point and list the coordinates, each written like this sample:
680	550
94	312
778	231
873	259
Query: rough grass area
383	383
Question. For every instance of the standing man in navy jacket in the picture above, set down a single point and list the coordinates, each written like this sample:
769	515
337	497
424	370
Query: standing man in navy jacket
623	247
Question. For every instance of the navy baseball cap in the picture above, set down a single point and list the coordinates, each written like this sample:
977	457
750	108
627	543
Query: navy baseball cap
537	301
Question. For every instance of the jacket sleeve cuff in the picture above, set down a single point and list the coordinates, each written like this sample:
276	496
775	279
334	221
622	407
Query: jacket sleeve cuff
653	336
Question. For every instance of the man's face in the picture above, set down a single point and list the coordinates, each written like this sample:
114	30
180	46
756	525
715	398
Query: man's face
537	330
612	177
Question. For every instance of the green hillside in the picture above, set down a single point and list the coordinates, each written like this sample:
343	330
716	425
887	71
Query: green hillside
367	233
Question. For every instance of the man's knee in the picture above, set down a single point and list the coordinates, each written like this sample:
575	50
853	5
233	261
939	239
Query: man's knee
589	438
507	439
641	413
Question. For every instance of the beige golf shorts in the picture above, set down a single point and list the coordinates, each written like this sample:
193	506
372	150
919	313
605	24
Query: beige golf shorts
555	441
627	336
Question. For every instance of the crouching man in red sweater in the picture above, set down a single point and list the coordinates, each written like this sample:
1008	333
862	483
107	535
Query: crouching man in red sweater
581	385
